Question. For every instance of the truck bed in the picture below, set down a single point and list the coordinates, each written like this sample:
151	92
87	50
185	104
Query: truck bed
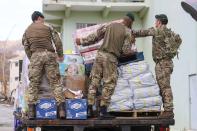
123	122
98	122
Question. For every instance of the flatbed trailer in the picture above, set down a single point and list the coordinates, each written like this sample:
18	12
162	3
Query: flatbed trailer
94	124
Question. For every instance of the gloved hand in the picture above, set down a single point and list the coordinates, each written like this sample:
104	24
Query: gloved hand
78	41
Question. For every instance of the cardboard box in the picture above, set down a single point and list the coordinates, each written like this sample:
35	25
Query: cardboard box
71	69
46	108
74	83
72	65
72	58
69	95
76	109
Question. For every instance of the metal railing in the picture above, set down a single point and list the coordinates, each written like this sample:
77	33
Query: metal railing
123	0
79	0
114	1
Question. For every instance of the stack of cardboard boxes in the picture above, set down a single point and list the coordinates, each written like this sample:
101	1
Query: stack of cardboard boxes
72	71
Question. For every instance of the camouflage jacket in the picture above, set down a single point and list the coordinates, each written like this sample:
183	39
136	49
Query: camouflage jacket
159	51
117	39
41	36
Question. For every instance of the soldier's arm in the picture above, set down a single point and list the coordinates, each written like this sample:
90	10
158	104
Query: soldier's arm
129	40
144	33
57	41
26	45
92	38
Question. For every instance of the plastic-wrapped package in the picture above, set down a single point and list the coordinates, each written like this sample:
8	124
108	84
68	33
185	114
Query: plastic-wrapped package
21	98
122	94
142	80
96	46
123	105
131	70
122	91
121	84
137	85
84	32
147	102
24	74
146	92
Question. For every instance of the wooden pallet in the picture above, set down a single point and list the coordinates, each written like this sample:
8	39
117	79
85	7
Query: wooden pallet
136	113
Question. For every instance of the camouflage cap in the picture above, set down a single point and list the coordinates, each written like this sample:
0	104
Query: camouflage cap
131	16
162	17
36	14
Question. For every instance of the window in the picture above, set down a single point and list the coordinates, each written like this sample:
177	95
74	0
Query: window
16	78
16	64
83	25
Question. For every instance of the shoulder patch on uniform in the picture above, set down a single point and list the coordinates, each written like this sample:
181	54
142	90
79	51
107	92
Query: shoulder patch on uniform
49	25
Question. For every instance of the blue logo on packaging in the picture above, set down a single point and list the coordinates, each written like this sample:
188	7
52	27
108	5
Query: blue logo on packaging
46	106
76	106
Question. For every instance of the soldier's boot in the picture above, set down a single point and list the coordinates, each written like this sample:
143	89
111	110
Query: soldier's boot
61	110
104	114
90	111
32	111
167	114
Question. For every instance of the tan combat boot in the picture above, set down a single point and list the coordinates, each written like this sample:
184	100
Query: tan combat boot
167	114
32	111
61	110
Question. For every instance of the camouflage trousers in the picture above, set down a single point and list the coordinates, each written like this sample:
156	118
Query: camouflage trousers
104	68
163	70
41	62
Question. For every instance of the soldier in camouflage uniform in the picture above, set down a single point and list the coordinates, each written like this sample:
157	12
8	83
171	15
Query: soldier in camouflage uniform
163	60
37	41
117	41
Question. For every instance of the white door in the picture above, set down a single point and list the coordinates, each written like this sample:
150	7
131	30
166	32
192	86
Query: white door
193	101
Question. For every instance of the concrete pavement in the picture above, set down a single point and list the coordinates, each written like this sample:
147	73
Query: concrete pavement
6	117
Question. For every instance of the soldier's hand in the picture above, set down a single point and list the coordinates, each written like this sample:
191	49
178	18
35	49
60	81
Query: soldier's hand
60	59
132	39
78	41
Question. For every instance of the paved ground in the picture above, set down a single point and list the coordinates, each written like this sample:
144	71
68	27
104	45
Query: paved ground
6	117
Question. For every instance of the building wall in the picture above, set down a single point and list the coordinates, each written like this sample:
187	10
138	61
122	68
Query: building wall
14	73
69	24
1	87
182	23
